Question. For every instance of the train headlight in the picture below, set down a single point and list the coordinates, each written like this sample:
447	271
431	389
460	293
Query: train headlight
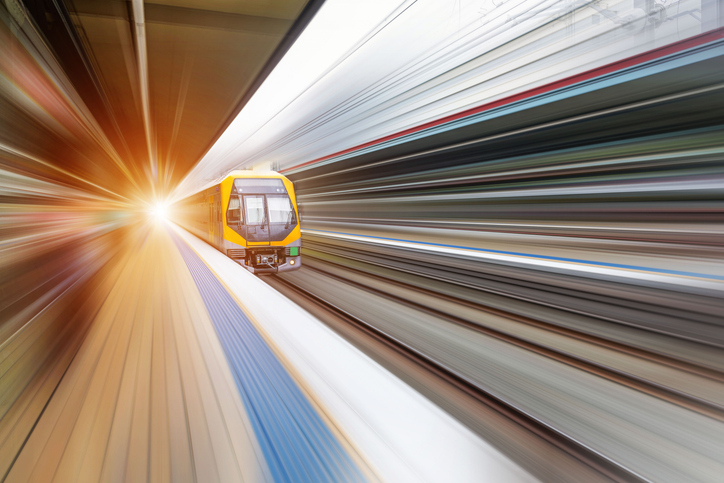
291	262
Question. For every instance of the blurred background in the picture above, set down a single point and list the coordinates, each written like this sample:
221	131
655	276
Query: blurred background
514	206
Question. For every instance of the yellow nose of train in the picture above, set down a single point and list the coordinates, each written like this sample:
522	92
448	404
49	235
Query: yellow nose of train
251	216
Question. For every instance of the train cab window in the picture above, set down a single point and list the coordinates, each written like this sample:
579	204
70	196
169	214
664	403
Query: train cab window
233	214
254	206
280	210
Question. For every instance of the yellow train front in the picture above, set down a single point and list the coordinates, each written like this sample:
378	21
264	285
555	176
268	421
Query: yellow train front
252	217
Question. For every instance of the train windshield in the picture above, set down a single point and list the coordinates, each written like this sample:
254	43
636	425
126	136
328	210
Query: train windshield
261	210
254	210
280	210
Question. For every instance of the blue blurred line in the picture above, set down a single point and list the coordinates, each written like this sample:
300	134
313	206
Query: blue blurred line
297	444
541	257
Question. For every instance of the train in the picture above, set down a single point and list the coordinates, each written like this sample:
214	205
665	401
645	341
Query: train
251	216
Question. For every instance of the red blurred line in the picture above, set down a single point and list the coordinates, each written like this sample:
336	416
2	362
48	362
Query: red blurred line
669	49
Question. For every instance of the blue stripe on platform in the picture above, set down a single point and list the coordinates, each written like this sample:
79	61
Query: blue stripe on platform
296	442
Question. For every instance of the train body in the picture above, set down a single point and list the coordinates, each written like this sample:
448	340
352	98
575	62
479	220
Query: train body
250	216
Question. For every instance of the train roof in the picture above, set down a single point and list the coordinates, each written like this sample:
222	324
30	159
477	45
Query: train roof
240	173
253	174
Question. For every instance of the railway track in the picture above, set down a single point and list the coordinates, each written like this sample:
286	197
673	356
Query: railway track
539	428
438	305
660	391
693	318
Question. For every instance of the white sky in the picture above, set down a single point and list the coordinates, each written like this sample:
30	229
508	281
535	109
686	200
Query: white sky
337	28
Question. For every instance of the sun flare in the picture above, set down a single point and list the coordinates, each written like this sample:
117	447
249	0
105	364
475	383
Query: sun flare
159	211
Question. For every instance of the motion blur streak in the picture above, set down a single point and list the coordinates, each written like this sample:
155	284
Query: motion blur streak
59	227
533	215
145	398
108	366
513	206
294	438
